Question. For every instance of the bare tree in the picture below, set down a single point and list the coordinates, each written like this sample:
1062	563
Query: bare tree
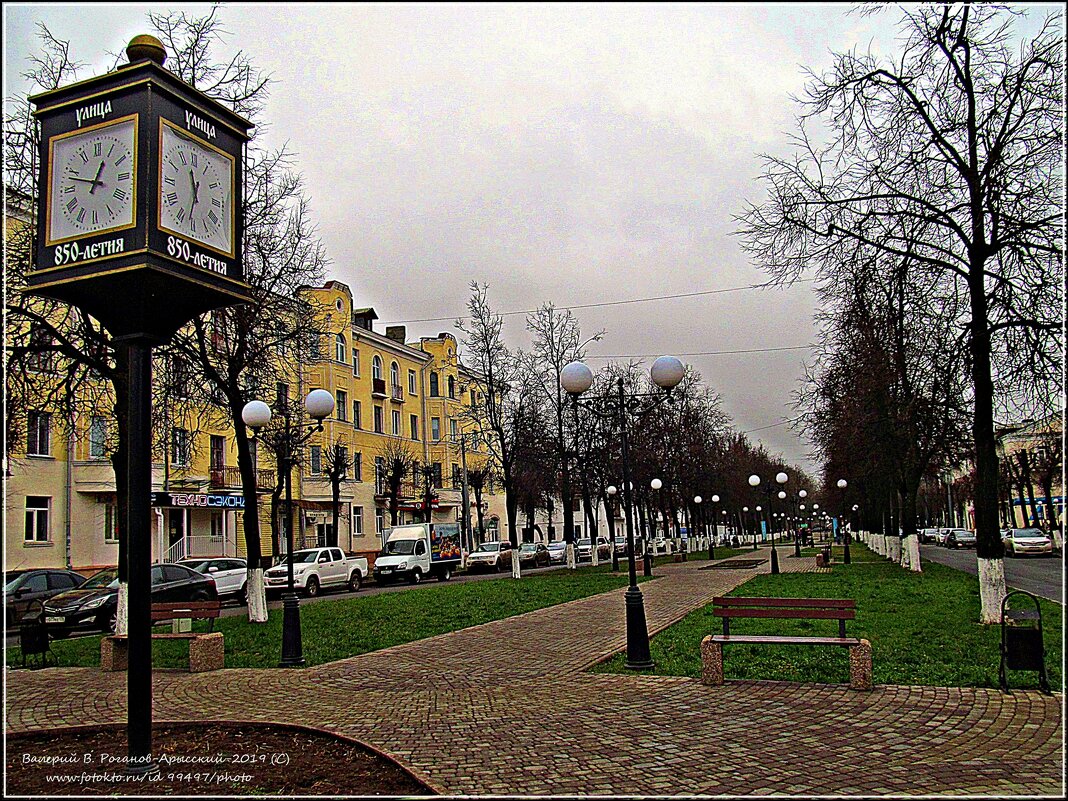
399	465
501	402
337	461
952	157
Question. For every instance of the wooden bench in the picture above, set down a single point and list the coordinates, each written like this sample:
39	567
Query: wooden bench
205	649
860	664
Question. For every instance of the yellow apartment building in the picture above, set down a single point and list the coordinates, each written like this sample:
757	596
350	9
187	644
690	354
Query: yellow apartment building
60	488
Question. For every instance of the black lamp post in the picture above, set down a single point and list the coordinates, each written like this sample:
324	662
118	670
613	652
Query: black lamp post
257	414
801	495
701	527
745	514
666	372
754	481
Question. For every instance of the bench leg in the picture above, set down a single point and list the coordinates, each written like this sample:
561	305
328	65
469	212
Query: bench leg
860	666
113	653
206	652
711	662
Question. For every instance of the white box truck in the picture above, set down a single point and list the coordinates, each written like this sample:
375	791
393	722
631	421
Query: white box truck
419	550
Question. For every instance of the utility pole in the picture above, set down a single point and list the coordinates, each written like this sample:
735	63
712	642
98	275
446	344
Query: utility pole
465	517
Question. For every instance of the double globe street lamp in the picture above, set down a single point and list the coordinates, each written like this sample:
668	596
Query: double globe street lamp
754	481
666	373
256	415
842	484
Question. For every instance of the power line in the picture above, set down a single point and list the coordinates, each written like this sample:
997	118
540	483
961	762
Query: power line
612	302
762	428
706	352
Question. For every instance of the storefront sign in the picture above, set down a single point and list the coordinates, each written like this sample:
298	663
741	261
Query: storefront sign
198	499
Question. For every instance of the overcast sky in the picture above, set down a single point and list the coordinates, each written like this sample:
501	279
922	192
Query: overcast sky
568	153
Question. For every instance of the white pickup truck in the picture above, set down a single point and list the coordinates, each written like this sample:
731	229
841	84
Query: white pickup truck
316	569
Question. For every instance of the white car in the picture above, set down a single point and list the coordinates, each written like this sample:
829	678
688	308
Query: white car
229	573
490	556
1020	541
315	569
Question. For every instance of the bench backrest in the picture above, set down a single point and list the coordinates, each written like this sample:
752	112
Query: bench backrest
182	609
840	609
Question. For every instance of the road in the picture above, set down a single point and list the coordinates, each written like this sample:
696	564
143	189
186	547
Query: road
1040	575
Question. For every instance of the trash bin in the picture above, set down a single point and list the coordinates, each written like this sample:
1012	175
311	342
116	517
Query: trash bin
1022	647
827	555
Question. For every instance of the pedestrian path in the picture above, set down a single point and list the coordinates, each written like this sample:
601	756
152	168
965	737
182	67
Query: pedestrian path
506	708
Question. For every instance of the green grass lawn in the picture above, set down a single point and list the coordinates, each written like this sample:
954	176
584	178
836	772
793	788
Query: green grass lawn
335	629
923	628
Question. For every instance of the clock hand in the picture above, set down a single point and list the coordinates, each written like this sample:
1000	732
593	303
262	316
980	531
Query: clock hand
96	178
87	180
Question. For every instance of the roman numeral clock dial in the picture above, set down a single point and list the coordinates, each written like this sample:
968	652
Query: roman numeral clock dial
92	181
196	190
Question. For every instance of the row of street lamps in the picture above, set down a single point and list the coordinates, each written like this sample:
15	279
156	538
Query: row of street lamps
576	378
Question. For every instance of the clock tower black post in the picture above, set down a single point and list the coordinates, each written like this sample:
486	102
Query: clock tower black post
116	241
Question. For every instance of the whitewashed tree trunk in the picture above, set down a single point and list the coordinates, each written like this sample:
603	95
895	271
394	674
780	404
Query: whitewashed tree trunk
570	556
914	555
991	589
122	608
1058	540
257	596
515	564
905	554
895	549
594	558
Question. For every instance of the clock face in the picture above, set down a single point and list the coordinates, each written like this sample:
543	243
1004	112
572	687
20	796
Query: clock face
93	180
196	190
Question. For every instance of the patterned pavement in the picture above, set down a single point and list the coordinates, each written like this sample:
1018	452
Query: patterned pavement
505	708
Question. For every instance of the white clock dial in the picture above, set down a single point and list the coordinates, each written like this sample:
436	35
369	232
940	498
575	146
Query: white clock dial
93	181
196	191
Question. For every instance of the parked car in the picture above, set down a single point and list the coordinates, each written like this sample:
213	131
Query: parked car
621	546
557	552
959	538
315	569
94	603
229	573
584	546
490	556
24	587
533	554
1021	541
940	536
928	535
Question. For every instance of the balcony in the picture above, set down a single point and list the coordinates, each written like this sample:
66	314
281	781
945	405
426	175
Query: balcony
409	488
378	388
397	393
230	478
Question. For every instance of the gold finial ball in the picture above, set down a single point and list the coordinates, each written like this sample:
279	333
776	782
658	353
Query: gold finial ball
146	46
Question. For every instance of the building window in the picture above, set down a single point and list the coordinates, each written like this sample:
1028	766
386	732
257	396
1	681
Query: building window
98	437
316	459
411	382
456	479
436	469
111	523
218	452
38	429
216	525
414	422
376	367
42	354
181	453
378	420
433	385
396	423
435	428
357	466
281	396
342	405
37	508
394	375
356	361
357	520
341	349
380	520
452	386
356	416
454	430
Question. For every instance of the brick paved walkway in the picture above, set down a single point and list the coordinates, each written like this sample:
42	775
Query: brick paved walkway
440	707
